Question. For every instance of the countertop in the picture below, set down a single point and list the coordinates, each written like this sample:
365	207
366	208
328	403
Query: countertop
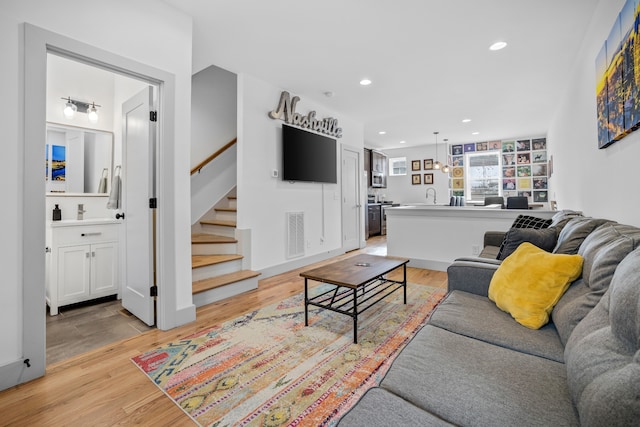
90	221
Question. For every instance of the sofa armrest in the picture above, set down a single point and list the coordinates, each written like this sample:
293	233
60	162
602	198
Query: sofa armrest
494	238
479	260
471	276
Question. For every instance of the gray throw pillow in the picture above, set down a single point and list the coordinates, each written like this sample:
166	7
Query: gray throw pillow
544	238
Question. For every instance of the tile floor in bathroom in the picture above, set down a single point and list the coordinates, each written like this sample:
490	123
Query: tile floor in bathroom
81	328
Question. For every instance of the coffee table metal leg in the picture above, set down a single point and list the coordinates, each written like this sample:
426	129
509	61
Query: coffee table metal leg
404	281
306	304
355	316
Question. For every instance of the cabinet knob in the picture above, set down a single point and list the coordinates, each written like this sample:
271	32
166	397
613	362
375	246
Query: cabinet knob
120	215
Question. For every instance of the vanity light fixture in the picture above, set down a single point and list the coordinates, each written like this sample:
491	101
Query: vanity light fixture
92	113
73	105
69	108
436	164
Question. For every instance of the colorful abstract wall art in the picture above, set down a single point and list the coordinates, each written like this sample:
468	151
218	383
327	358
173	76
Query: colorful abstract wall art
618	78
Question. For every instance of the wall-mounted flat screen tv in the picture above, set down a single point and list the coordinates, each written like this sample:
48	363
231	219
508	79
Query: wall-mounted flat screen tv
307	156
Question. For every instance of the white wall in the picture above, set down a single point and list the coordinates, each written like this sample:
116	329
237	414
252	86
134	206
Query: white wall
262	200
148	31
601	183
399	188
213	111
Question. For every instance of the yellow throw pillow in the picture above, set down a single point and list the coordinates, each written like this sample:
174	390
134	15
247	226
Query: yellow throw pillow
530	282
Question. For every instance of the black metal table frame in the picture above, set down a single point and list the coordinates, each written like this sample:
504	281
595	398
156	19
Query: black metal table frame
336	301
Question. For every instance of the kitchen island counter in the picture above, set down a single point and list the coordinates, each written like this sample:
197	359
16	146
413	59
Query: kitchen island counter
432	236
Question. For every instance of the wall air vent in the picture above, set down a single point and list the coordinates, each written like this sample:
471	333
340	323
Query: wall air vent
295	234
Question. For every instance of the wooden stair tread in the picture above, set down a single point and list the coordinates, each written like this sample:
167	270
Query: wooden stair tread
232	197
226	209
224	223
205	260
225	279
211	238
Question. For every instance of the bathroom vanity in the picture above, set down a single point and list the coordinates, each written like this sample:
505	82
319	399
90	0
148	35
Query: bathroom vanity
81	262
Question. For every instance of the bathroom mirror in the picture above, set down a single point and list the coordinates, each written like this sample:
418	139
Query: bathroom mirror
78	160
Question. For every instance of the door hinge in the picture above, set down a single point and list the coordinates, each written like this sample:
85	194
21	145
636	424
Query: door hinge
153	203
153	116
154	291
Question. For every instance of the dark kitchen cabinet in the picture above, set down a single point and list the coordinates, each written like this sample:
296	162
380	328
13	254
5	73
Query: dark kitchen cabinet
375	218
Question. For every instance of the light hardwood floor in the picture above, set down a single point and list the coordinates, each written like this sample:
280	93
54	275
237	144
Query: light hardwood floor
104	388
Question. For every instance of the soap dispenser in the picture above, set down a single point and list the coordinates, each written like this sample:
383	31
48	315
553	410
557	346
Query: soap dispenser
57	213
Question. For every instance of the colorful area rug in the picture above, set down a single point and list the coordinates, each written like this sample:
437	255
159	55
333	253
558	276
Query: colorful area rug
266	368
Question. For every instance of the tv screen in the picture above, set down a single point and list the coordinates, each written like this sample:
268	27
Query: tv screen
308	156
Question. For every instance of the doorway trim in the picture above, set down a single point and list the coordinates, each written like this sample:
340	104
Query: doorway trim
37	43
360	218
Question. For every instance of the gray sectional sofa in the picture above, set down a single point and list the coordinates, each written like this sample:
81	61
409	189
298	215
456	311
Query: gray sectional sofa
473	365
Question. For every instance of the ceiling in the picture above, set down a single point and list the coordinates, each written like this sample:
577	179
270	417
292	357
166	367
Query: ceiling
429	60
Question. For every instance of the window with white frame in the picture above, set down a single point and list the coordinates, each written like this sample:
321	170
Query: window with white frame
483	172
397	166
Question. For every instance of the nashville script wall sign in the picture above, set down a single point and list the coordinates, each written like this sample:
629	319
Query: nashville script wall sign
286	111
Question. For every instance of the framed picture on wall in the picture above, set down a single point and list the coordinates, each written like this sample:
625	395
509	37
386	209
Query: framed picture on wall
428	178
415	165
415	179
428	164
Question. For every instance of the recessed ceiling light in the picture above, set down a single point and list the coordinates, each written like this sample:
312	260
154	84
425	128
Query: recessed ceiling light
498	46
403	142
382	132
365	82
466	120
475	133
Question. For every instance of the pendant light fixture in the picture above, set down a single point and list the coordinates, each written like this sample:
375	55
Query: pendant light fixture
437	164
445	168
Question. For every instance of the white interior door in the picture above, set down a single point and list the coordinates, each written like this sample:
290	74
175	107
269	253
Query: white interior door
137	188
351	204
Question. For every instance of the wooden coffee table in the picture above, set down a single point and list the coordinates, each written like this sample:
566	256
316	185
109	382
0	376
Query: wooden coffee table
360	283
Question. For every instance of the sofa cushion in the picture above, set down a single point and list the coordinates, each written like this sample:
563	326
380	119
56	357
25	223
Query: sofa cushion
544	238
603	363
529	283
526	221
470	382
378	407
602	250
477	317
561	218
574	232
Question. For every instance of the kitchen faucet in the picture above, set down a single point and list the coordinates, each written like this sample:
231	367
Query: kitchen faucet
434	194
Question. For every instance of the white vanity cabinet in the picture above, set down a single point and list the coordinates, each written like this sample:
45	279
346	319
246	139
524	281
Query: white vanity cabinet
83	261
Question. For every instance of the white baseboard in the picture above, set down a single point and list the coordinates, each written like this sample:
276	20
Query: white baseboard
299	262
17	372
428	264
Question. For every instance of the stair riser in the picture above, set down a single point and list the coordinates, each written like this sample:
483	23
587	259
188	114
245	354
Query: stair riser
214	248
226	216
217	294
233	203
208	271
219	230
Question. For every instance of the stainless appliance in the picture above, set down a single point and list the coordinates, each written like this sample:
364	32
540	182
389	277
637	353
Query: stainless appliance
378	180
